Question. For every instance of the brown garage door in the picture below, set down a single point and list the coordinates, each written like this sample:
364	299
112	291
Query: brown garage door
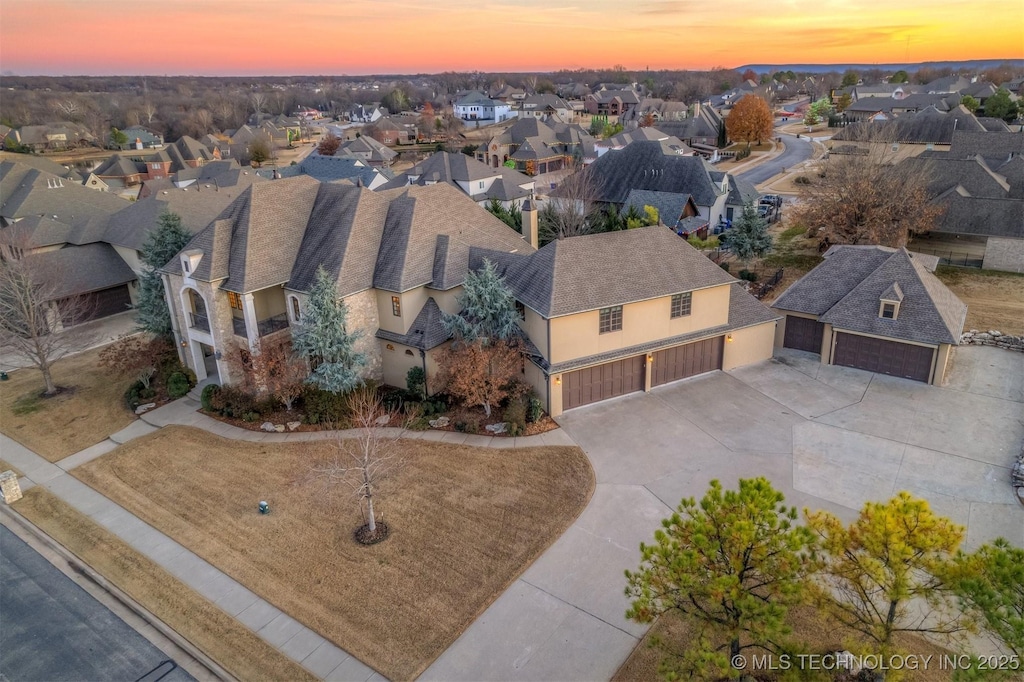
687	360
101	304
803	333
885	357
585	386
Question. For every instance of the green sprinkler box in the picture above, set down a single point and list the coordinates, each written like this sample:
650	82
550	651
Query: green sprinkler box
3	376
264	508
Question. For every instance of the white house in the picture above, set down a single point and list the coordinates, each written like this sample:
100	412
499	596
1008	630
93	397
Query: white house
476	106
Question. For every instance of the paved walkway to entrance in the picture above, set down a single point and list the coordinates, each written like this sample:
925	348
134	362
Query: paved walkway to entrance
288	635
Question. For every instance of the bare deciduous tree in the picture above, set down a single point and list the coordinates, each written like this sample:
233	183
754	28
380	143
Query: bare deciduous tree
363	463
567	213
32	308
861	198
149	110
258	101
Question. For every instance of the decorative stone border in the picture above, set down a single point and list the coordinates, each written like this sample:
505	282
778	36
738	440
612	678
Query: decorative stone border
1017	476
993	338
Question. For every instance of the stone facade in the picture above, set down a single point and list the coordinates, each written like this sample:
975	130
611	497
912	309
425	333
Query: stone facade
993	338
363	315
10	489
1004	254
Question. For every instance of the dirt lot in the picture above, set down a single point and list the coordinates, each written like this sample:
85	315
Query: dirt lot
89	410
811	628
465	522
995	300
218	635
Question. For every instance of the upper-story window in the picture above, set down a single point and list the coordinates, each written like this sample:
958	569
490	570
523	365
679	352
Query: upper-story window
234	300
888	311
296	311
396	306
682	304
611	319
521	309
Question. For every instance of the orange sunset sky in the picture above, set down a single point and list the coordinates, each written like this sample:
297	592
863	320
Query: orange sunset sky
253	37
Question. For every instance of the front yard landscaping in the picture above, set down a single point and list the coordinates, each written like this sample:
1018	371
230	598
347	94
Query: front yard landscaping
820	634
464	523
217	634
91	408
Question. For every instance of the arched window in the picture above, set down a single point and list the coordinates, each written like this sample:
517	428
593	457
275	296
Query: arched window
408	352
296	313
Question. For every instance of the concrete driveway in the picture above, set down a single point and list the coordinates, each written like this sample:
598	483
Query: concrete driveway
827	437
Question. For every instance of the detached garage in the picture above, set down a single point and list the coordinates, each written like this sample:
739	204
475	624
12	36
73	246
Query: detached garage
874	308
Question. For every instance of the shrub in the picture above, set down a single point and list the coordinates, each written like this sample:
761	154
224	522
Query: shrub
207	396
802	180
748	275
419	424
177	385
138	393
322	407
232	402
515	416
535	409
268	404
416	382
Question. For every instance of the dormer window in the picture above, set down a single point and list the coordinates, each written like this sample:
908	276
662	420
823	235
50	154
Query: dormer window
889	302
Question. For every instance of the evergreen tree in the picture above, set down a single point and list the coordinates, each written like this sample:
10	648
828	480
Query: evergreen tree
323	339
513	217
991	584
749	237
160	247
731	564
488	309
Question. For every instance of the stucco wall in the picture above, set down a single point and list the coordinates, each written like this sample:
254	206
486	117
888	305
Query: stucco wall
1004	254
749	345
397	361
576	336
269	302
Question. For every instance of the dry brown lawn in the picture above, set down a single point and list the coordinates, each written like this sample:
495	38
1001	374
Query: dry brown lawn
809	626
92	408
995	300
465	522
217	634
7	466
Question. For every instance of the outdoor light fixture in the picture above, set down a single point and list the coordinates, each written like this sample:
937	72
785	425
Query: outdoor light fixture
184	344
728	337
264	508
650	358
558	381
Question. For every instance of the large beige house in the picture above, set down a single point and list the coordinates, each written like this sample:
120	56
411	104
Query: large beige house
604	314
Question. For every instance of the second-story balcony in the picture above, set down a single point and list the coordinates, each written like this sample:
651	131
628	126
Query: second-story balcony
200	322
264	327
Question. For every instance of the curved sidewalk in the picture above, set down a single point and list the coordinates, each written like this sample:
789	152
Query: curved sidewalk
292	638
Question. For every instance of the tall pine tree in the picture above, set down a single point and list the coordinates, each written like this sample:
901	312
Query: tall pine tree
160	247
324	340
488	309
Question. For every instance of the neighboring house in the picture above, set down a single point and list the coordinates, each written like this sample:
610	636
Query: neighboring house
540	106
699	131
368	150
675	211
876	309
506	93
476	106
139	138
360	113
611	102
395	256
645	166
909	134
387	131
122	173
668	313
670	144
877	108
476	179
659	110
331	169
979	184
536	146
49	137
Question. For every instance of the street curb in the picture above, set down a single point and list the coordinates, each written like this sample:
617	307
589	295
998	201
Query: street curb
138	609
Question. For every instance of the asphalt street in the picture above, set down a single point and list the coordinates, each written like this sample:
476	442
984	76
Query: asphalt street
51	629
797	151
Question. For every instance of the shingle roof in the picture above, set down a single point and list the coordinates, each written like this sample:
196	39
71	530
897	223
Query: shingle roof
460	170
981	216
118	166
572	275
426	331
34	232
367	145
43	164
926	126
943	171
83	269
642	165
846	289
992	146
670	206
26	191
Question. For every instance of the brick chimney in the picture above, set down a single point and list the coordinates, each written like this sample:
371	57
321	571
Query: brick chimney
530	223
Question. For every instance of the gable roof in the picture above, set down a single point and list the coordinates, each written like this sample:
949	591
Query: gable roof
923	127
642	165
670	206
572	275
26	191
425	332
35	232
846	289
83	269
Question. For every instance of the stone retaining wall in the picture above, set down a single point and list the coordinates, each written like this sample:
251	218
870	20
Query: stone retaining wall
1017	476
993	338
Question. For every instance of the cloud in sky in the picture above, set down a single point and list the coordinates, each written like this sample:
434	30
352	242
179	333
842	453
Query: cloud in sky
400	36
